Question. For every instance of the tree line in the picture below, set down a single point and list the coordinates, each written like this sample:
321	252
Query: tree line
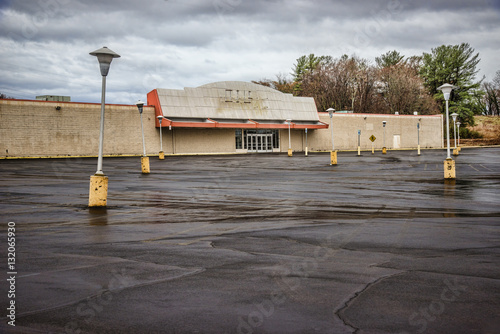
394	83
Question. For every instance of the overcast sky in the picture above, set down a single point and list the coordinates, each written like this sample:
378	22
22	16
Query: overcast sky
45	44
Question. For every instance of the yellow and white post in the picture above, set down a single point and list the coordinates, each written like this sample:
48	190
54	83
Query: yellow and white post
359	142
290	152
333	157
98	191
449	164
306	142
455	150
333	153
161	155
418	138
144	158
384	149
98	188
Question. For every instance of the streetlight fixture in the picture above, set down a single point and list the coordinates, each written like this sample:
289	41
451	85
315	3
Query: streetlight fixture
458	135
98	191
161	156
289	122
306	141
384	149
333	153
449	164
144	158
454	117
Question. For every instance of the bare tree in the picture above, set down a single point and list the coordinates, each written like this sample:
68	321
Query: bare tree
492	95
402	90
4	96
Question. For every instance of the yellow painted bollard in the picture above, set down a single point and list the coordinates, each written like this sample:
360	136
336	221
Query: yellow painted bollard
161	156
449	169
333	157
306	151
145	165
98	191
373	149
359	150
384	150
455	151
290	152
418	150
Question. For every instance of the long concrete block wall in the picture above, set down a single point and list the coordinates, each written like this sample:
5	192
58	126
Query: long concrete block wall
401	132
40	129
399	128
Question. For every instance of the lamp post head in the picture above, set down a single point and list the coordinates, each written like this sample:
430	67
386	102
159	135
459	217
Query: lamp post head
104	57
160	118
384	123
288	121
139	105
458	124
446	89
454	116
330	112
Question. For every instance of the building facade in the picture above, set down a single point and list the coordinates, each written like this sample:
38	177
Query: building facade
218	118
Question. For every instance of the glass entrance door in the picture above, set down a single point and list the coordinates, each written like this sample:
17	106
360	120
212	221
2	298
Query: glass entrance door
260	142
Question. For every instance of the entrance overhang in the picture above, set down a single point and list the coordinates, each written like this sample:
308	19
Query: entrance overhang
243	124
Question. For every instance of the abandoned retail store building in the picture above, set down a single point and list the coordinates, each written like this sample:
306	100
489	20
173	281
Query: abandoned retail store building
221	117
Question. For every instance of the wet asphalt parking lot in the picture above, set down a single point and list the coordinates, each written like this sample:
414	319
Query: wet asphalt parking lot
260	243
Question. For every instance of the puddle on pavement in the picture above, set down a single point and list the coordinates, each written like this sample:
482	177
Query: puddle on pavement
98	216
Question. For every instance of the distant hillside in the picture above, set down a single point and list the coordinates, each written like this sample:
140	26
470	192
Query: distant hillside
488	128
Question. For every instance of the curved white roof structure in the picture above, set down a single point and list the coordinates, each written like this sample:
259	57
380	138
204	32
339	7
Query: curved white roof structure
234	104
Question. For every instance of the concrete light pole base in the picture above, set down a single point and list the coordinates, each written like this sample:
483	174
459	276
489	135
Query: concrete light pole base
98	191
359	150
290	152
449	169
145	165
161	156
418	150
455	151
384	150
306	151
333	157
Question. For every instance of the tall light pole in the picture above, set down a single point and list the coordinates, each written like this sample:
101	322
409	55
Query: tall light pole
289	121
359	142
98	190
161	156
458	134
418	137
384	149
144	158
306	141
454	117
449	164
333	153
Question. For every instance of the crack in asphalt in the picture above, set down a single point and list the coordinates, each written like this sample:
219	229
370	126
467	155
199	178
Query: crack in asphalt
348	303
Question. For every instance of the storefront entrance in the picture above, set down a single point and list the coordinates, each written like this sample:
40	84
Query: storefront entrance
259	142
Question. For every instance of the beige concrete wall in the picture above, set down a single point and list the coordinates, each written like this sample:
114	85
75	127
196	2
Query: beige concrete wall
38	129
346	126
204	140
295	138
